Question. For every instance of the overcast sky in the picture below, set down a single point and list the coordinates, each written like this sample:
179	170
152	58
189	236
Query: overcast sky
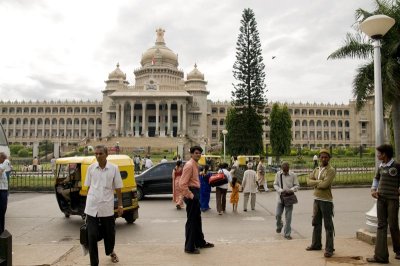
54	49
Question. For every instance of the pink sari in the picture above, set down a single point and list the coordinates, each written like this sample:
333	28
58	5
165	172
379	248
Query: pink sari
176	190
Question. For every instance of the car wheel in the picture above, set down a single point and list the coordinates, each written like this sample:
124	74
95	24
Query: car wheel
140	194
129	217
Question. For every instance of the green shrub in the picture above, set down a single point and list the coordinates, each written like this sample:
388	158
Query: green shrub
14	148
23	152
349	153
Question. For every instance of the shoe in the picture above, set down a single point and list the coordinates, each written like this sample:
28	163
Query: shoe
328	254
208	245
252	209
288	237
219	213
245	210
278	230
178	207
310	248
195	251
397	257
374	260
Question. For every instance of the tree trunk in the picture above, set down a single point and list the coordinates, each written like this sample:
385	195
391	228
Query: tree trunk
396	128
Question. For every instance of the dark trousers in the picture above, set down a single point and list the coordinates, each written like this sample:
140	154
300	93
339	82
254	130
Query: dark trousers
388	213
104	226
323	210
3	208
220	195
193	229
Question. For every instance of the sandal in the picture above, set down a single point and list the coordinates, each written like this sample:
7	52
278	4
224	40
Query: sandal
114	258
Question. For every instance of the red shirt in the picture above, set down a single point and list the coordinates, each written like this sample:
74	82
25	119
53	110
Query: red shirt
189	178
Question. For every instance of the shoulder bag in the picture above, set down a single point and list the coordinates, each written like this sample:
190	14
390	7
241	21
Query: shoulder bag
288	199
218	179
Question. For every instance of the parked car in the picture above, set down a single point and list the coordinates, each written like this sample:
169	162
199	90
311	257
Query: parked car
155	180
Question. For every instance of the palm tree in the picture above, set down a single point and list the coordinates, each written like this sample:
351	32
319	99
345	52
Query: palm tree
358	46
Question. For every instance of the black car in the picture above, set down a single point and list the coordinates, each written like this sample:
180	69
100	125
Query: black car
156	180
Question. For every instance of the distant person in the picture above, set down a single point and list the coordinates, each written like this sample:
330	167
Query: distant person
220	191
53	165
102	179
8	169
234	200
261	175
35	163
205	189
249	186
148	163
190	185
85	151
137	163
3	191
164	160
315	159
385	188
321	179
286	182
177	196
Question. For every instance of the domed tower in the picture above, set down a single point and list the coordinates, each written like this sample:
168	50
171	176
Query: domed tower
116	81
195	85
159	68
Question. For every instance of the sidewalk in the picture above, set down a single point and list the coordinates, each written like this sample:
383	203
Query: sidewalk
349	251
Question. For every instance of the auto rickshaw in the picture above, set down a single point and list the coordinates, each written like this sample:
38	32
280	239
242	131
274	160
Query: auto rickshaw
71	193
212	160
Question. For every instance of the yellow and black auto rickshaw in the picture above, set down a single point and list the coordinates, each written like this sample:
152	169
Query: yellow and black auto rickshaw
212	160
71	193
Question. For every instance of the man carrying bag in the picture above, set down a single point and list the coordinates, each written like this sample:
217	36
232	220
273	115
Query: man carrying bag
285	184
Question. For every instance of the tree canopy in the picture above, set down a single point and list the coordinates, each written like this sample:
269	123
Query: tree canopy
280	130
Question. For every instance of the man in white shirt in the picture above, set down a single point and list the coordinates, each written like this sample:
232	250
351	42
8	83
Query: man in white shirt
3	191
102	179
148	164
164	160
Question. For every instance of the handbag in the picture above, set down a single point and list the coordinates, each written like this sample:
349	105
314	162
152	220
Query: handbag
288	199
83	234
218	179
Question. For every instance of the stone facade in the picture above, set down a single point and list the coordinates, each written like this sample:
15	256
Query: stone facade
163	105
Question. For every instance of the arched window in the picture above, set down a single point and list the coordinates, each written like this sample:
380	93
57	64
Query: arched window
304	123
311	112
214	122
319	123
222	122
332	113
222	110
326	123
333	123
297	123
346	123
312	123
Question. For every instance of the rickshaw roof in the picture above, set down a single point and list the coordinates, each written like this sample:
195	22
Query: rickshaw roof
249	156
210	156
113	158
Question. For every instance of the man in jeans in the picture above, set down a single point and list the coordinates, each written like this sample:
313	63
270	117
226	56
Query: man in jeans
385	188
321	179
286	182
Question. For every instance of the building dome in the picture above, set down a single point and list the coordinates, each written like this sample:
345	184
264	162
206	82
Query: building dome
195	74
159	54
117	74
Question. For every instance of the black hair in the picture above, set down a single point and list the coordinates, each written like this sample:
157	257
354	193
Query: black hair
206	168
234	180
386	149
178	163
194	148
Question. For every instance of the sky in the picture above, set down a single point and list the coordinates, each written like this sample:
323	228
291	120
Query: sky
64	50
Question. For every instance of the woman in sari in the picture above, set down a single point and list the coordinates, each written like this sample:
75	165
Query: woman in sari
176	176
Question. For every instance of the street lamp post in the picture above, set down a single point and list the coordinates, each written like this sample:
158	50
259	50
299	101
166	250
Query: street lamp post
224	132
376	27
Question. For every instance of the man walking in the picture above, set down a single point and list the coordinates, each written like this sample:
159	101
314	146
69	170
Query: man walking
102	179
321	179
3	191
190	186
249	185
385	188
286	182
261	176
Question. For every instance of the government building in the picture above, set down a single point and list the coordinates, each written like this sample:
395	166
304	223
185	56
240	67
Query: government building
163	109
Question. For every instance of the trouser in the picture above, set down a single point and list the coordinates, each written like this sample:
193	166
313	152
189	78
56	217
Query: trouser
3	208
34	168
252	201
220	194
323	210
387	212
194	237
104	226
288	218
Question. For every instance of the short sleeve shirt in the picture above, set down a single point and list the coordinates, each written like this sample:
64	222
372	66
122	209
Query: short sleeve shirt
102	183
3	177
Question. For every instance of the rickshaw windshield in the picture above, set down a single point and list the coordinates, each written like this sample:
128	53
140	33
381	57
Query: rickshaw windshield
67	170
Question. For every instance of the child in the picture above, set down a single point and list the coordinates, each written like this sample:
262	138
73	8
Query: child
235	194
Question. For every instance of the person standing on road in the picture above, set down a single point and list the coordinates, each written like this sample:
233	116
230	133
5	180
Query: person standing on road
35	163
261	176
286	182
385	188
148	163
220	191
3	191
249	185
190	185
176	190
321	179
102	179
205	189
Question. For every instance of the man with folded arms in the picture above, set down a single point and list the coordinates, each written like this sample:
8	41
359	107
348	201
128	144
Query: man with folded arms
190	186
321	179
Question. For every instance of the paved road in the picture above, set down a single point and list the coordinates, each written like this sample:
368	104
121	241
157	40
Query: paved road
34	220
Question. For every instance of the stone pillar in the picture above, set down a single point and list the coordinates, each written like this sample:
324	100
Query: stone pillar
179	118
169	122
157	133
117	119
132	118
123	120
184	118
35	149
56	151
144	126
